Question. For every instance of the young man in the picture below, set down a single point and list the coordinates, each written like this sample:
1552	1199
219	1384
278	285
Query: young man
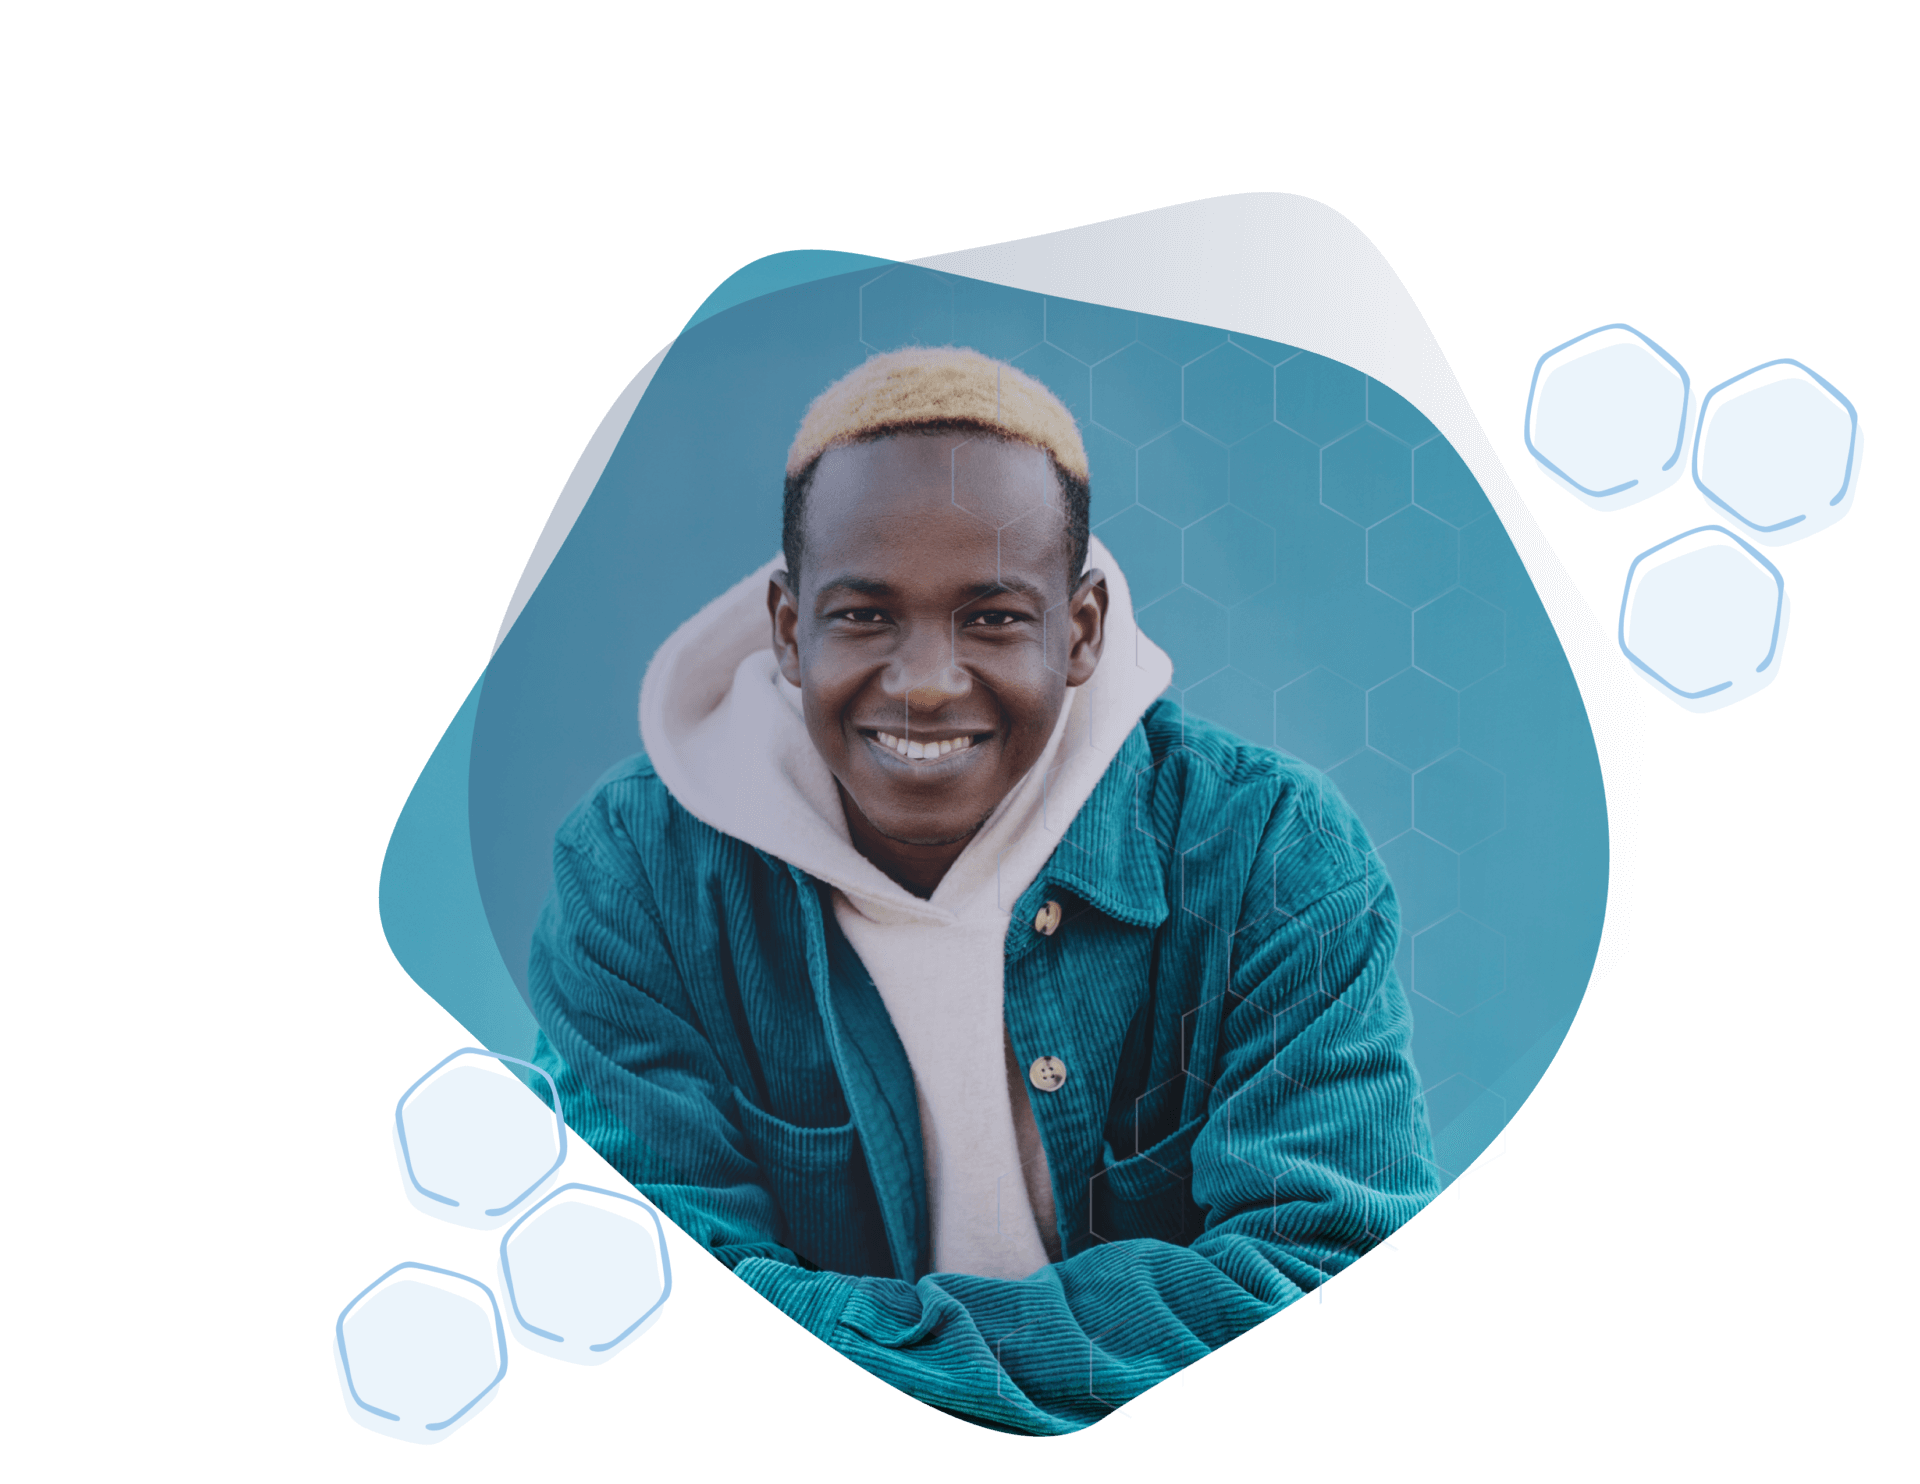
1018	1035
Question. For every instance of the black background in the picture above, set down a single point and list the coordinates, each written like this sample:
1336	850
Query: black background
1656	1208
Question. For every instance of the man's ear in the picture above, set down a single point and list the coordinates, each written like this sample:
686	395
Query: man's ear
783	607
1086	626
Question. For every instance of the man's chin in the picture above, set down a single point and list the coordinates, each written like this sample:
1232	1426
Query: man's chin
924	836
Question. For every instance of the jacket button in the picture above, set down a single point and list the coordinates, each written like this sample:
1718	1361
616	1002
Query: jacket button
1047	1072
1046	920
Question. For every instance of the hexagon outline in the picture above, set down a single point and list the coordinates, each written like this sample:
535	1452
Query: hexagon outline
1680	438
499	1338
406	1152
860	302
660	1235
1846	477
1773	644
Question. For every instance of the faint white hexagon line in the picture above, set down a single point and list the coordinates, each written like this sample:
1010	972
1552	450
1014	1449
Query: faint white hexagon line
1214	439
1464	752
1493	934
1160	1086
1476	756
1187	1019
1185	856
1369	423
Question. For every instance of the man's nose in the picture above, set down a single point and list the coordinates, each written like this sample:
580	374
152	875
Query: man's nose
922	673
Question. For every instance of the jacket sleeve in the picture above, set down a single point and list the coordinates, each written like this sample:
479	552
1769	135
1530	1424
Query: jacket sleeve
620	1036
1315	1148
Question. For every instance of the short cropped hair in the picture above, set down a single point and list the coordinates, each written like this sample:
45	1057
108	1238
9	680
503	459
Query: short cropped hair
942	389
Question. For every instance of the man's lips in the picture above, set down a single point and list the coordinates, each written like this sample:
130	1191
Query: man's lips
932	748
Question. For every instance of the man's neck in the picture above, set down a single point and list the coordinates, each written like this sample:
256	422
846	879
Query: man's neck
919	866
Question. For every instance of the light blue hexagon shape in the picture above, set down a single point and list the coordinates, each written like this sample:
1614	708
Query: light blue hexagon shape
1192	629
1178	340
1228	392
1228	555
1366	476
1274	473
1459	964
1318	398
1413	556
1379	790
1183	475
419	1350
1087	332
996	320
1426	879
1413	719
1703	616
907	306
586	1273
1607	414
1459	638
1777	448
1459	800
1147	549
1236	701
1136	393
1060	374
1443	484
1320	718
1387	409
474	1142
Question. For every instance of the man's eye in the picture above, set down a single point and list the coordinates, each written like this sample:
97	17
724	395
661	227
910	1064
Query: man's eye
995	620
863	615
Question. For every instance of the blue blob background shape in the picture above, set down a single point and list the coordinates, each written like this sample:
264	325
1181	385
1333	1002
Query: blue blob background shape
1705	626
1609	417
690	500
582	1281
419	1358
1778	452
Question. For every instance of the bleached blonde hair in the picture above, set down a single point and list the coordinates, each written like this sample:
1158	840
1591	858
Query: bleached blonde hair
938	388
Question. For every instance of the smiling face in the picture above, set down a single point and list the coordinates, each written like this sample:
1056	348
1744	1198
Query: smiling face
933	635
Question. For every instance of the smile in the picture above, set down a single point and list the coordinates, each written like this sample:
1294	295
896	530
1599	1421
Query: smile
923	753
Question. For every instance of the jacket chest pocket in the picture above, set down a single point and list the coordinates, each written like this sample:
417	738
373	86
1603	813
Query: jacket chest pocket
1148	1194
818	1179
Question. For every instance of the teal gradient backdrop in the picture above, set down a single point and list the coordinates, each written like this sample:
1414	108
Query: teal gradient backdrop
1320	563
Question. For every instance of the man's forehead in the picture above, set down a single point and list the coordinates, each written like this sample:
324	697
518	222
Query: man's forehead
951	510
994	477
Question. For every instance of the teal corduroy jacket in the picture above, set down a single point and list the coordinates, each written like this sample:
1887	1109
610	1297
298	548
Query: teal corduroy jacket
1241	1116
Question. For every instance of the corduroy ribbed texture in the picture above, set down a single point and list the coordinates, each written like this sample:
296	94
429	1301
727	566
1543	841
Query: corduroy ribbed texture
1241	1117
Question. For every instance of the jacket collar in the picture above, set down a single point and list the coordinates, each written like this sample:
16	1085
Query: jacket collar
1107	857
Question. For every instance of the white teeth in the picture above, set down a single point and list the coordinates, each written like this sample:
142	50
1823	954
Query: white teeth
921	751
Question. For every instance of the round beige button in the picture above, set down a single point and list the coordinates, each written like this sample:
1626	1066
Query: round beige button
1047	1073
1045	921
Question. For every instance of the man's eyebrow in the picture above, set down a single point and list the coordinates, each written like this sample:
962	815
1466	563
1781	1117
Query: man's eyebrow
1006	585
866	587
879	587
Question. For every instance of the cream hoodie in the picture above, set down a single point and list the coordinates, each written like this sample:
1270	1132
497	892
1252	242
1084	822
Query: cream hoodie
726	734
